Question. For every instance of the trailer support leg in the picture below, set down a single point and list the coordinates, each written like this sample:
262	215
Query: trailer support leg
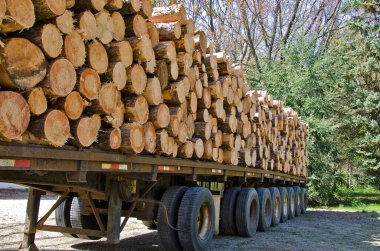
114	215
31	219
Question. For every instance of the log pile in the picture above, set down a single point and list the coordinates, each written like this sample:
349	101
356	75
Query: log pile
124	76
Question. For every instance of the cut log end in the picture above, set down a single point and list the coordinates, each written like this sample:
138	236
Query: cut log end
89	83
74	48
74	105
22	16
150	138
61	78
37	101
85	130
133	139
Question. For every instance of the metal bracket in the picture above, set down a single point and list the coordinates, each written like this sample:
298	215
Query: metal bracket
79	176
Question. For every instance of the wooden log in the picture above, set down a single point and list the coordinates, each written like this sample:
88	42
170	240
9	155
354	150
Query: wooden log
52	127
210	62
87	25
20	15
152	92
208	150
93	5
142	48
146	8
198	89
217	109
65	22
184	61
88	83
225	82
245	157
238	142
205	102
153	33
193	103
48	38
70	4
215	90
162	73
220	155
200	41
17	70
150	66
73	105
228	140
173	129
199	148
137	80
105	28
36	100
74	49
162	146
231	157
185	44
14	115
136	109
182	134
120	52
132	138
160	116
117	74
118	26
217	138
107	102
150	138
230	126
197	57
60	80
202	115
169	31
177	112
173	70
46	9
97	57
188	27
190	125
175	93
135	26
109	138
129	6
165	50
85	130
116	118
203	130
186	150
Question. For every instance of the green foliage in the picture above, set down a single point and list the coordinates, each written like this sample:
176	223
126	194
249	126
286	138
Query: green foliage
336	91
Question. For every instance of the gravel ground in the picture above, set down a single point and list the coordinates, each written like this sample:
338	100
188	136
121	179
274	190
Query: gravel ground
317	230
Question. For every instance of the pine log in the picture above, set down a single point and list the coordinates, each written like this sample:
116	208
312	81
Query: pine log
225	82
135	26
136	109
228	140
117	74
217	109
217	138
46	9
20	15
107	102
185	44
146	8
177	112
231	157
173	128
205	102
88	83
36	100
182	135
245	157
162	146
116	118
150	66
160	116
70	4
203	130
186	150
172	13
192	101
199	148
173	70
230	126
150	138
208	150
184	109
184	61
132	138
73	105
198	89
165	50
129	6
52	127
162	73
169	31
175	93
85	130
120	52
74	49
97	57
87	25
142	48
65	22
190	125
118	26
215	90
17	70
60	80
200	41
137	80
220	155
197	57
202	115
93	5
14	115
153	33
109	138
105	28
152	92
188	27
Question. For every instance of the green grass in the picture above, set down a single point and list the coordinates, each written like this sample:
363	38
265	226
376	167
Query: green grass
360	208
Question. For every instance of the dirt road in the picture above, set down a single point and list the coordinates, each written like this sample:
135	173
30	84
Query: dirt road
317	230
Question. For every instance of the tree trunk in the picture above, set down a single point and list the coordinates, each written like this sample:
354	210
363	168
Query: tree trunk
20	15
160	116
137	80
136	109
87	25
105	28
109	139
152	92
36	100
74	49
85	130
65	22
97	57
88	83
132	138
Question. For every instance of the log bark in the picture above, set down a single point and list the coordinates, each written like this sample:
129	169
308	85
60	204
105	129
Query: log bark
150	138
130	7
74	49
97	57
105	28
85	130
107	102
46	9
120	52
132	138
136	109
135	26
169	31
20	15
117	74
109	138
186	150
203	130
93	5
142	48
16	68
165	50
87	25
162	73
116	119
60	80
65	22
88	83
160	116
137	80
175	93
14	115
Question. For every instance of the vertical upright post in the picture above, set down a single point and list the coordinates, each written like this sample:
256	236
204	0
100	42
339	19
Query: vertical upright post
114	214
31	219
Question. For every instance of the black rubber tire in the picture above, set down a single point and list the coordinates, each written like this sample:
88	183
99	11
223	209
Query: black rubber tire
62	215
247	212
298	200
195	235
79	220
150	224
265	217
227	211
168	237
276	206
292	203
284	204
304	200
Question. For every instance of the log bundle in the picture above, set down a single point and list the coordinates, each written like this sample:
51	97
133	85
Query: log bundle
131	78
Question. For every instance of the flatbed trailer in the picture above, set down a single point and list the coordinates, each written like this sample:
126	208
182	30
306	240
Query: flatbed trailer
111	185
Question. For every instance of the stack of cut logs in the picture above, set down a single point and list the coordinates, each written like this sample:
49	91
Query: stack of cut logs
120	75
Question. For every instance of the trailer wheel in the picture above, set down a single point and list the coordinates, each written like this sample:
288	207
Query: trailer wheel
276	206
265	218
62	215
79	220
150	224
227	211
292	202
297	200
284	204
304	200
247	212
196	219
171	199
